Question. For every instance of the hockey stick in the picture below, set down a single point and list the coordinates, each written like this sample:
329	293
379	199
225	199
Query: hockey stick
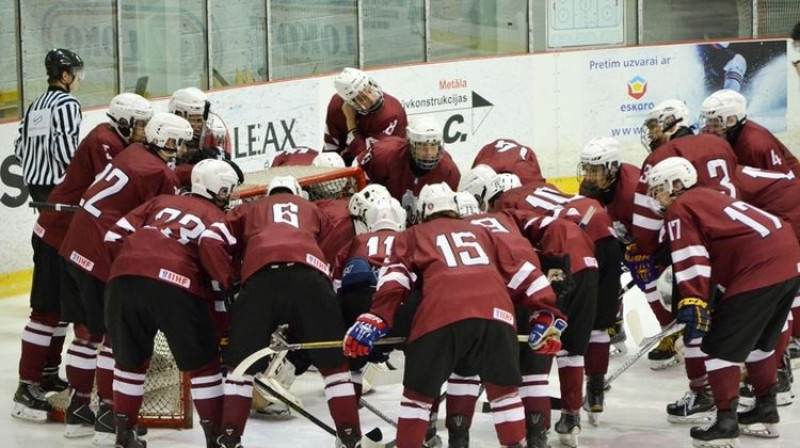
56	207
374	435
646	345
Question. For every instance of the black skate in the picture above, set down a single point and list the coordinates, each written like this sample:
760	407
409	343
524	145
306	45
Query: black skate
126	434
229	438
536	433
594	399
568	428
104	430
30	403
51	382
783	389
348	438
458	433
692	408
211	432
79	420
664	355
761	421
723	432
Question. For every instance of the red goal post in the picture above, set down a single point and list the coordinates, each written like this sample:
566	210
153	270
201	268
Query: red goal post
320	182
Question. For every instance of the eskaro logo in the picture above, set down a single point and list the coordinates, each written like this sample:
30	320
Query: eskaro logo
637	87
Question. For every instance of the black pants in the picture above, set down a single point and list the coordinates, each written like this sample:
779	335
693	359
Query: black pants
40	193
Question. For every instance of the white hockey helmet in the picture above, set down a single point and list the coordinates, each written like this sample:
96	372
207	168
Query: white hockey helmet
217	128
214	179
425	137
502	183
467	204
436	198
353	85
189	101
285	183
167	131
721	111
668	171
128	111
362	201
386	214
601	151
328	160
663	120
335	188
476	182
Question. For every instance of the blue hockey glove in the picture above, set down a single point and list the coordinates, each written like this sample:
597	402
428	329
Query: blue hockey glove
363	334
694	313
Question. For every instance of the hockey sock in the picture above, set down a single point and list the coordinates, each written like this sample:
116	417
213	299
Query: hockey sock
207	392
724	379
341	396
105	373
796	316
695	360
357	377
238	397
783	341
81	363
535	395
597	353
570	374
761	366
56	347
653	297
36	340
129	391
462	394
507	412
415	410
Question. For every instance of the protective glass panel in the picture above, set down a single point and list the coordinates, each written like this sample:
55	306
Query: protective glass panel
580	23
85	27
313	37
163	46
777	17
394	32
467	28
239	51
9	89
682	20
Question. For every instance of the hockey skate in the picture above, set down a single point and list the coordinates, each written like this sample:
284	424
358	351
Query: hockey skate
457	432
432	440
722	433
692	408
348	439
568	428
126	434
229	438
80	420
30	403
211	433
535	432
783	389
594	399
104	430
761	421
51	382
665	354
618	338
794	351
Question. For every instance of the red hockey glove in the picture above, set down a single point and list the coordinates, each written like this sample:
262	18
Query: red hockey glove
546	329
363	334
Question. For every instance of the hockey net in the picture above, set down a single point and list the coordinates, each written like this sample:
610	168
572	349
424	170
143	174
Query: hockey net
167	398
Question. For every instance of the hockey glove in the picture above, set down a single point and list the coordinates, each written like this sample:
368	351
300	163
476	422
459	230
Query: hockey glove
546	329
641	266
363	334
358	274
694	313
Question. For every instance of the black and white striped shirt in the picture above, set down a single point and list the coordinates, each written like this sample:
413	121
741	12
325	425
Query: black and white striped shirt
48	137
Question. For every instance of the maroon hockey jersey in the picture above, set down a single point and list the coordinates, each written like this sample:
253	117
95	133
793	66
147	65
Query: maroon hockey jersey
389	163
132	178
619	203
282	228
509	156
389	120
466	273
549	200
771	191
756	146
715	162
179	240
374	246
559	237
340	227
93	154
716	239
299	156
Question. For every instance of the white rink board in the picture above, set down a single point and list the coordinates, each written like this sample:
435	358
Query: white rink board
554	102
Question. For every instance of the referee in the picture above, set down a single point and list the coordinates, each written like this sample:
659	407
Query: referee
49	131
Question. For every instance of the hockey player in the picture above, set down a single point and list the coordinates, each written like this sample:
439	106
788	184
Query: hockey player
43	337
360	114
167	250
509	156
476	182
297	156
405	165
137	174
285	279
668	120
465	319
724	114
752	257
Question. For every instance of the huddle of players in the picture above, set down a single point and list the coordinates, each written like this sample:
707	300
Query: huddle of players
283	245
